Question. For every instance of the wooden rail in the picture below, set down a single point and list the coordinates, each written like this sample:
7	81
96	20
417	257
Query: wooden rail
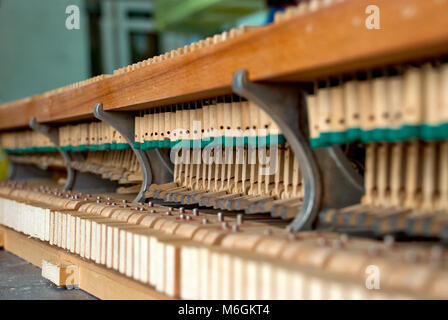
328	41
101	282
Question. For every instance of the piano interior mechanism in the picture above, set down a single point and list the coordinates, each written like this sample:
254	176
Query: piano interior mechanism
304	159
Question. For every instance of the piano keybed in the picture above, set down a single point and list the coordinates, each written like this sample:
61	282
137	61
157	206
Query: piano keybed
190	254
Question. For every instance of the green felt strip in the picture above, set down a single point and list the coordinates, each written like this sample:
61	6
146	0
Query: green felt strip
406	132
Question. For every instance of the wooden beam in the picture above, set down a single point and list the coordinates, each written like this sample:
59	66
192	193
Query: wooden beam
326	42
2	241
94	279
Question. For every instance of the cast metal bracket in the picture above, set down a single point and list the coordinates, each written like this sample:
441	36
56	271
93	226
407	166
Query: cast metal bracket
77	181
52	134
329	179
124	123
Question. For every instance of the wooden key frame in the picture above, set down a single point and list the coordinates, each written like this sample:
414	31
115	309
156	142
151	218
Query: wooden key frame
329	179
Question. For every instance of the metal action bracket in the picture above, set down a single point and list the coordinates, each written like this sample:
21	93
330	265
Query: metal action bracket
78	181
53	135
24	172
124	123
329	180
160	160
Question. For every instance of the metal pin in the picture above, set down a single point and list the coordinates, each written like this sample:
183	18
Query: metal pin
188	217
224	225
239	219
344	238
436	253
411	256
235	228
204	221
168	213
150	204
337	244
195	212
220	217
152	211
267	232
181	216
373	250
170	208
321	241
389	241
181	210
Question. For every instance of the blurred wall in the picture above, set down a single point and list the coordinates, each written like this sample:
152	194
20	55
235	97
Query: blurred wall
37	52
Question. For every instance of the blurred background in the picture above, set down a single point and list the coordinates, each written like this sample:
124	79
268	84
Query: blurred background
38	53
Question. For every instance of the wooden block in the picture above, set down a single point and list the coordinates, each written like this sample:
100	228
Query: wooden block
62	274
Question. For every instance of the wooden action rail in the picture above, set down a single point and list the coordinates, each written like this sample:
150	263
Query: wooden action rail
320	43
